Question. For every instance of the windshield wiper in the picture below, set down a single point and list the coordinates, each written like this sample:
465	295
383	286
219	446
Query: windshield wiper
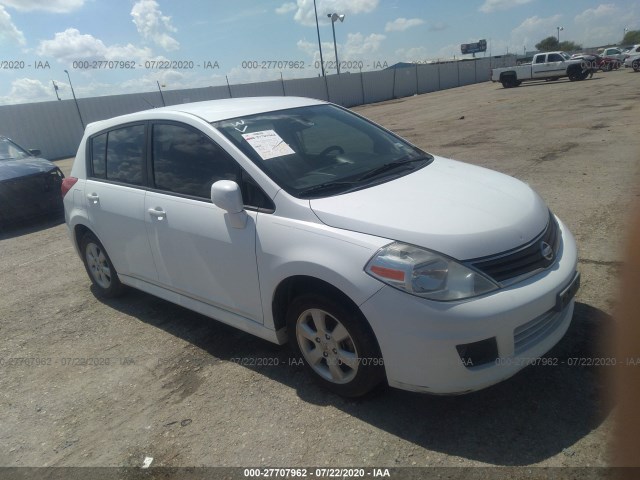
327	187
400	162
351	185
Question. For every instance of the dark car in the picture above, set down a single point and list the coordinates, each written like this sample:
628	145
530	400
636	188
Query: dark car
597	62
29	185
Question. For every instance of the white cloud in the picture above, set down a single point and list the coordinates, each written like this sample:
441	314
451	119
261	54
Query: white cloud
601	12
358	46
438	27
412	55
492	5
306	16
26	90
532	30
154	26
71	45
604	24
8	31
401	24
286	8
55	6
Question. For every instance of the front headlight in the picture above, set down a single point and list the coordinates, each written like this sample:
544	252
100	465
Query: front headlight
426	274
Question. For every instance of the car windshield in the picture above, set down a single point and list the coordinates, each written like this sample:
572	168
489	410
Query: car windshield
565	55
11	151
321	150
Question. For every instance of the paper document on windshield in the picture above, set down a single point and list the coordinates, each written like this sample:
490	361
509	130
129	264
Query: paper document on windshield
268	144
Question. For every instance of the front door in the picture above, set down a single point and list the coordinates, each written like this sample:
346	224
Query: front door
197	252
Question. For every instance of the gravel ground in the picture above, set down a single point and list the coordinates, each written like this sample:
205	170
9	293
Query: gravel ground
163	384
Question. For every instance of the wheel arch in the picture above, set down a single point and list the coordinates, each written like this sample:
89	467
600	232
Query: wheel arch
573	67
510	73
79	231
296	285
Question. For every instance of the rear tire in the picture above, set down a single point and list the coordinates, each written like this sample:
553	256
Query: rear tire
509	81
636	65
336	343
99	267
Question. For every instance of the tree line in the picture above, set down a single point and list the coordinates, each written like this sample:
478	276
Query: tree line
551	43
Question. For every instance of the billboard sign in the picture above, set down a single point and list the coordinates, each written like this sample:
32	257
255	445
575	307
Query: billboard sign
480	46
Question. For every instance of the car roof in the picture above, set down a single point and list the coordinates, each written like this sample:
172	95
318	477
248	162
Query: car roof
213	110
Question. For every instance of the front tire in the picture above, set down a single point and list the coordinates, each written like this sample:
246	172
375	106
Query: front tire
575	74
636	65
99	267
336	344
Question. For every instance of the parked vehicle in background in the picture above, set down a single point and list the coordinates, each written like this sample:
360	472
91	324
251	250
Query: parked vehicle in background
296	219
633	62
635	50
29	185
614	53
633	58
545	66
594	62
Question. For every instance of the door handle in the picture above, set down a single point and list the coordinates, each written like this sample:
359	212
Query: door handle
157	212
93	197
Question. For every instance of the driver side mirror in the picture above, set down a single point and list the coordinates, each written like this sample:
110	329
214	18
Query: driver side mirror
35	152
226	194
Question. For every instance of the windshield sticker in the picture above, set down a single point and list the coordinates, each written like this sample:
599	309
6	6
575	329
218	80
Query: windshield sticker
268	144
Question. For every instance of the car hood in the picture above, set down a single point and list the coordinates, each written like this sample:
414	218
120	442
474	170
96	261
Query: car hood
10	169
451	207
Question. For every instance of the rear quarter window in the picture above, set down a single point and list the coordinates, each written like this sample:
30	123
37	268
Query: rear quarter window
99	155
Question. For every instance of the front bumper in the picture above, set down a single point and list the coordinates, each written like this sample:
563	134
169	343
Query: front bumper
418	338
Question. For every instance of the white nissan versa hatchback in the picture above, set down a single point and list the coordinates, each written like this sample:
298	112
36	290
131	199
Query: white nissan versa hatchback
291	218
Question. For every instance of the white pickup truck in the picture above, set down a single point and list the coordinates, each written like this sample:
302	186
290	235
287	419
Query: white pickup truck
545	66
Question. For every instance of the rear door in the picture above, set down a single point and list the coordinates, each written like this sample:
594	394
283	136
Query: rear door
197	252
551	65
115	191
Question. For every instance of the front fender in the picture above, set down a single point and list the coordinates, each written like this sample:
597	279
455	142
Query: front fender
287	248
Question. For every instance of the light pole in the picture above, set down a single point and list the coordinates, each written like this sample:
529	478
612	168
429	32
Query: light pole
161	95
559	30
75	99
55	89
626	29
334	17
319	44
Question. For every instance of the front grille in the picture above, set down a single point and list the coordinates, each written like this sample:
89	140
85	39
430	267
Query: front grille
525	260
529	334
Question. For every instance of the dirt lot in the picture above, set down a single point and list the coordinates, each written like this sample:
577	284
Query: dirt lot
164	385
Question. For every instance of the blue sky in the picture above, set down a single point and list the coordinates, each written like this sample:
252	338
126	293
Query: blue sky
225	35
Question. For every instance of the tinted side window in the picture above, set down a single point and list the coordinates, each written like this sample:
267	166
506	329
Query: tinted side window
125	154
541	58
554	57
99	155
186	161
